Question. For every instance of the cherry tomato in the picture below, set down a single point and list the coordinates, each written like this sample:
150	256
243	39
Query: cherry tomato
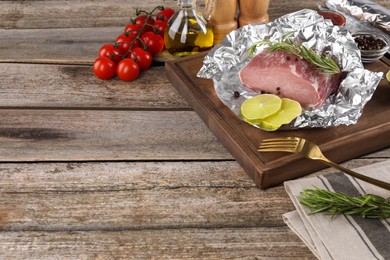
142	19
159	27
154	42
165	14
132	29
104	68
142	57
109	50
125	42
127	70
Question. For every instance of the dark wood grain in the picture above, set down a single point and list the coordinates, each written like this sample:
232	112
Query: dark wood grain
75	86
145	196
88	135
221	243
371	133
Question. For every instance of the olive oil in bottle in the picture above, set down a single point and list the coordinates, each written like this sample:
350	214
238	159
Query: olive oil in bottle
187	31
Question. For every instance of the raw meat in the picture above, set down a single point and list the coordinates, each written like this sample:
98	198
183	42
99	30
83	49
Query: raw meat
289	76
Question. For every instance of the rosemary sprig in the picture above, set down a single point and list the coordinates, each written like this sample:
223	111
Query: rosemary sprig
332	203
324	62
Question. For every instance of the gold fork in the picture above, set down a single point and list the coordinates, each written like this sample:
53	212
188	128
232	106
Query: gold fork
311	151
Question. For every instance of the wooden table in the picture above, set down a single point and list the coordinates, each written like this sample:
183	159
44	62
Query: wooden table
93	169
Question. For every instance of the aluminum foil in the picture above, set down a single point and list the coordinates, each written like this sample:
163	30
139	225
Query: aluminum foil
363	10
225	60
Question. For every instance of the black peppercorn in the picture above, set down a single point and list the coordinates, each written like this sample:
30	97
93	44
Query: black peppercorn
369	42
236	94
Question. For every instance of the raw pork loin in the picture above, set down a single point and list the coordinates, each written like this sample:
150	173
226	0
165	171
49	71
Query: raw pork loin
289	76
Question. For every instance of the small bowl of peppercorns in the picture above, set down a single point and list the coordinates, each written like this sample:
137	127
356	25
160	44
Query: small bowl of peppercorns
372	45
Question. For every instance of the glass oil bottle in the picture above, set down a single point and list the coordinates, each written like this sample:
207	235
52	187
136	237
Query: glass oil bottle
188	32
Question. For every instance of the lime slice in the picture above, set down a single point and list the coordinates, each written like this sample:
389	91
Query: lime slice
256	108
289	110
388	76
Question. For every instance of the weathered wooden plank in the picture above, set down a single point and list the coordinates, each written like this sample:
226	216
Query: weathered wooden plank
37	85
143	209
62	45
62	135
120	176
94	176
89	13
123	196
226	243
72	13
110	176
69	43
44	180
130	196
79	135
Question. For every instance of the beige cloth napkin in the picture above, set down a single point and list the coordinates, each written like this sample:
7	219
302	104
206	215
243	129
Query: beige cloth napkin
343	237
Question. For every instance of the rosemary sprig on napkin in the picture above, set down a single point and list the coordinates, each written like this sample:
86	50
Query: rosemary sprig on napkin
332	203
324	62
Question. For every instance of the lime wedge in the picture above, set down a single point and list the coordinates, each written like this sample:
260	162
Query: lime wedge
388	76
259	107
289	110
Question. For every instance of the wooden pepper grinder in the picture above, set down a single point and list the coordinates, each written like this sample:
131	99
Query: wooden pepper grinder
253	11
224	13
223	17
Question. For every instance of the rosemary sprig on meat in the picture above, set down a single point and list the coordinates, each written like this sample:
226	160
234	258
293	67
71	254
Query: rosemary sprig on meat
332	203
323	62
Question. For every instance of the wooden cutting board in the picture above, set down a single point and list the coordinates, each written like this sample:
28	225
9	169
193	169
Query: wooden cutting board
371	133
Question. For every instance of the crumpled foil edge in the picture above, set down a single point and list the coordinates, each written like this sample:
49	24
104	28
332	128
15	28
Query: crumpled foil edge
363	10
345	107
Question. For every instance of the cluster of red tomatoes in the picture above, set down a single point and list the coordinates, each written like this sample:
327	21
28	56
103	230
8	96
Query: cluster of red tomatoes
134	49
